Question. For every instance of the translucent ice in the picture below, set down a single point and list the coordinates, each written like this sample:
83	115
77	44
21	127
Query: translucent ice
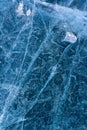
43	65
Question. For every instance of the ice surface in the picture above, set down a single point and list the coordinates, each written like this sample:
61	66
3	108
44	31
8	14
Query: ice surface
43	65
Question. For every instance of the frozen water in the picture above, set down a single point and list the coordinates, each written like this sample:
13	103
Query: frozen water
28	12
70	37
19	10
43	65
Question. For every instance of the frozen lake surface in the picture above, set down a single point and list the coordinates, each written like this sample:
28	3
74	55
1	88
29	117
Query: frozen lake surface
43	65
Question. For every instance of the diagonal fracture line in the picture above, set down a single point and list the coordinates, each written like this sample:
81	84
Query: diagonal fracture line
33	60
41	91
15	44
67	86
26	49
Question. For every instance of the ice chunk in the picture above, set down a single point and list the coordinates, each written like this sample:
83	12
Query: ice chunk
70	37
28	12
19	10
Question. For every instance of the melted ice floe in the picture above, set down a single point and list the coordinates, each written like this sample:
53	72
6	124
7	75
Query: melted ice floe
70	37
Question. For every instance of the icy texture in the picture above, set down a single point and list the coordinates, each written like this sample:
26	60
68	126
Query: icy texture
43	65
